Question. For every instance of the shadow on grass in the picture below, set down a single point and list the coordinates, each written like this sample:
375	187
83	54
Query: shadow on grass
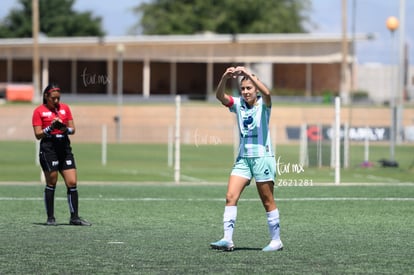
49	225
247	248
238	249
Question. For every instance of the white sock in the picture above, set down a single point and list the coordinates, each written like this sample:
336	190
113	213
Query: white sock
229	221
273	223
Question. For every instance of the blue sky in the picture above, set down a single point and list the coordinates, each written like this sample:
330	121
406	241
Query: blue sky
371	16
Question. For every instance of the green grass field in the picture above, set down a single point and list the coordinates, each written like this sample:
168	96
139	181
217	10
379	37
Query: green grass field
143	223
212	163
167	228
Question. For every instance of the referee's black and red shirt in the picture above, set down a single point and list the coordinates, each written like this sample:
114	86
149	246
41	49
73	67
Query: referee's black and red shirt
43	116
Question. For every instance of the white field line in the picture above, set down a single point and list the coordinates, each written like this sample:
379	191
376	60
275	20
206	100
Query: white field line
215	199
186	178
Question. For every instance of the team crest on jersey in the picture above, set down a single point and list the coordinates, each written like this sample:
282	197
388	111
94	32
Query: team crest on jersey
247	121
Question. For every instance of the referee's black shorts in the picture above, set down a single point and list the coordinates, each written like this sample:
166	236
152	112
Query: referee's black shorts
56	154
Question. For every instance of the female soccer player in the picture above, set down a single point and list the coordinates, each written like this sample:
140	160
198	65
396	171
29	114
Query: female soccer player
255	157
52	124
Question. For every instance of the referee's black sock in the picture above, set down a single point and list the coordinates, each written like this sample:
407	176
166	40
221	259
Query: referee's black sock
49	197
73	201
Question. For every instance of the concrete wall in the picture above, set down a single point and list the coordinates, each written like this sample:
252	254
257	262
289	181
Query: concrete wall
201	123
380	82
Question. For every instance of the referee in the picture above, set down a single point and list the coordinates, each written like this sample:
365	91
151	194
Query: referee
52	124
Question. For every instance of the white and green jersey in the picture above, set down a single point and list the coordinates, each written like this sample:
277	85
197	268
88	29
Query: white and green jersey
253	124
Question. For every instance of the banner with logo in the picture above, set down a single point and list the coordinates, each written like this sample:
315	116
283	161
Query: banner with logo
325	133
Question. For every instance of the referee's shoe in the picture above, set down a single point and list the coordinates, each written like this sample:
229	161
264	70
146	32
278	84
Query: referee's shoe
79	221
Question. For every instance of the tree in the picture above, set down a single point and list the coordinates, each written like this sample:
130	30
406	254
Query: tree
222	16
57	18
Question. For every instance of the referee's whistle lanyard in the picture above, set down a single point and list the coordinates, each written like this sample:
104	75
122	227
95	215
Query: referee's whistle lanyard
56	111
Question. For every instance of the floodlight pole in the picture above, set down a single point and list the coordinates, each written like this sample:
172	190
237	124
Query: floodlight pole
392	24
401	71
344	93
36	62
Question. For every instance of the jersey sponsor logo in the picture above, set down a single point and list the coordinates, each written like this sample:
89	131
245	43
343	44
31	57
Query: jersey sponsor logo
63	112
249	136
46	114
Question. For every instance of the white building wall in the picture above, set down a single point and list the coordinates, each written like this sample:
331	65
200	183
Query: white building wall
264	72
379	81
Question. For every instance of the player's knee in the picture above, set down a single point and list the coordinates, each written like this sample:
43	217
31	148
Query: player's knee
51	178
269	204
231	199
71	184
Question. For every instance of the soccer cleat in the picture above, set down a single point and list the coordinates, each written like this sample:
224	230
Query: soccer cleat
274	246
79	221
51	221
222	245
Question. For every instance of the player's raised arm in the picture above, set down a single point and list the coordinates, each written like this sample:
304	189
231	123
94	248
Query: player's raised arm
220	94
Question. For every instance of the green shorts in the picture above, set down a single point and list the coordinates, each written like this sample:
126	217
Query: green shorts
261	168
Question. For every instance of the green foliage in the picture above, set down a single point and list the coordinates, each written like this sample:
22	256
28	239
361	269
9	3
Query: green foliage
56	18
359	95
222	16
328	96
